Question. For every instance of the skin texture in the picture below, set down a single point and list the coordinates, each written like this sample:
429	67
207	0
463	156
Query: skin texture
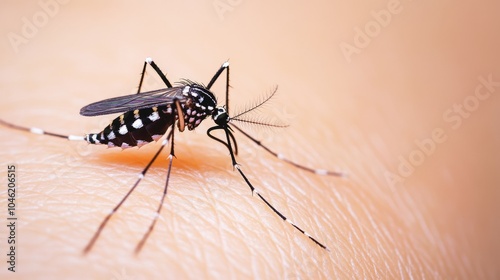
411	207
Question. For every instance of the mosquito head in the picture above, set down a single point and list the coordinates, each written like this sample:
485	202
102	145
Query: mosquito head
220	115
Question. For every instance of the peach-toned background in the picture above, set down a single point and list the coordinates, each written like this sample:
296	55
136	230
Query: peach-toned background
364	112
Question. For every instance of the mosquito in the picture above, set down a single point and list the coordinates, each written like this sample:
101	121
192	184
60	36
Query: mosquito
147	116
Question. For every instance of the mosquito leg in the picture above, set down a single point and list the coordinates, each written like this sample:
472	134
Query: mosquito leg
224	66
281	157
143	72
254	191
40	131
209	133
158	210
150	61
140	177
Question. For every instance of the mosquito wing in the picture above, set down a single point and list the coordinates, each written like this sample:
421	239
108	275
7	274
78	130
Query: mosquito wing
134	101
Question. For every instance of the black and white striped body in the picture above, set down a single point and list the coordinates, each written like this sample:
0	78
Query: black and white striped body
141	126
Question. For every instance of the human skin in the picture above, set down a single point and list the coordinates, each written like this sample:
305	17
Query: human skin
433	218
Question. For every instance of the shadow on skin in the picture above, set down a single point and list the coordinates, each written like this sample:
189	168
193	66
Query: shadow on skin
186	157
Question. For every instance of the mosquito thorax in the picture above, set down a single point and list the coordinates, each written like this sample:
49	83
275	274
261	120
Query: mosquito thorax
199	103
220	116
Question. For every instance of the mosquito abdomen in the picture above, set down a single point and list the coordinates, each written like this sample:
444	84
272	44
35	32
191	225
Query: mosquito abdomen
135	128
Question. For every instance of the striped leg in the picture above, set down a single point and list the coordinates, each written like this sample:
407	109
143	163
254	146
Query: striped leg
281	157
254	191
40	131
224	66
150	61
140	177
158	210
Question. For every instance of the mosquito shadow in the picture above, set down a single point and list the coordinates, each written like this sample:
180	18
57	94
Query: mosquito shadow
185	160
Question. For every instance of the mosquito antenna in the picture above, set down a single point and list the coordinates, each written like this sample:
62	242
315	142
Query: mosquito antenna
261	122
258	105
